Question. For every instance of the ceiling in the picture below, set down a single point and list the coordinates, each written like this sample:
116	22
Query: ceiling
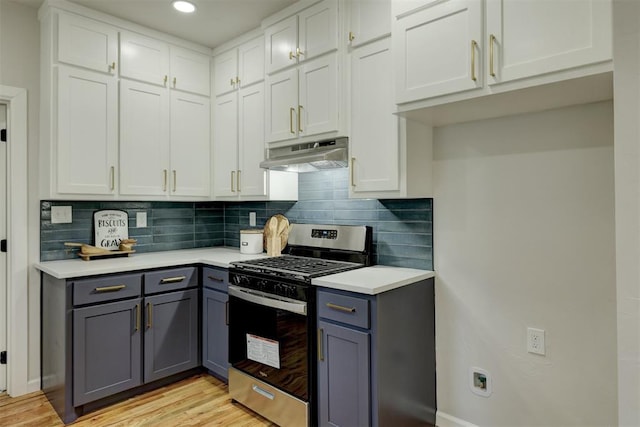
213	23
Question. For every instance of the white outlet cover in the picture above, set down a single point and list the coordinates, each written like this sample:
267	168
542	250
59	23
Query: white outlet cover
61	215
252	219
141	219
535	341
488	382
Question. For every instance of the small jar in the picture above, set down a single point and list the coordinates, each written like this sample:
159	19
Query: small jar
251	241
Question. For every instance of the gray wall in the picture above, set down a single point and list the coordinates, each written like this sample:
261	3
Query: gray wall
402	229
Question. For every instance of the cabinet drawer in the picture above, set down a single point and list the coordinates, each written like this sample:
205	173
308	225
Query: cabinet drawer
343	308
215	278
88	291
170	280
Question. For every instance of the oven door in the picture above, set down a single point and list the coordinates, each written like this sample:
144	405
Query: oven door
268	339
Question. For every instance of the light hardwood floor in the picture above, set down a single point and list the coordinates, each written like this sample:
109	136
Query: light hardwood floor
201	400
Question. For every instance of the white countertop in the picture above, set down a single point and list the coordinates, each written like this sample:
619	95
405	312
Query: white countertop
368	280
218	256
373	280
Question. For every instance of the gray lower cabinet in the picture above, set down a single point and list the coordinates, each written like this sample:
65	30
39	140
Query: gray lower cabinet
106	350
376	357
215	329
171	334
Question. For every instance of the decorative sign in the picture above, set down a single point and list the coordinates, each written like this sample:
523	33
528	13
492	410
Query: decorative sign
110	227
263	350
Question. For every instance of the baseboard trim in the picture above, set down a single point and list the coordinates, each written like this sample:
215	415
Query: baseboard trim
33	385
446	420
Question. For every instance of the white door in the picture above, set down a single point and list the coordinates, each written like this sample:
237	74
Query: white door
533	37
190	145
374	143
87	140
281	103
438	50
190	71
251	148
143	58
144	139
3	255
318	108
318	30
281	41
225	72
251	62
368	20
225	143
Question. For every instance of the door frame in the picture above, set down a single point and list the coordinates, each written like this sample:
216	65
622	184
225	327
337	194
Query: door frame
17	255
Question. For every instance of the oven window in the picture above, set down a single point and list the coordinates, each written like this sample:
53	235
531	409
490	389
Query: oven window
278	337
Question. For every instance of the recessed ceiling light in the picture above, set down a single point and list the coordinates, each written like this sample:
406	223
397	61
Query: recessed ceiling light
184	6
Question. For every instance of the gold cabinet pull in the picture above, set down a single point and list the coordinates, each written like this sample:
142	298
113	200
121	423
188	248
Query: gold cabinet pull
492	40
351	36
299	52
291	111
320	352
112	66
175	279
341	308
291	55
233	178
137	318
215	279
174	82
238	81
232	82
238	181
299	118
113	177
353	165
474	46
149	315
165	79
164	180
226	313
175	179
110	288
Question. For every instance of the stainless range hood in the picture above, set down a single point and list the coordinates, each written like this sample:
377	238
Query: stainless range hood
309	157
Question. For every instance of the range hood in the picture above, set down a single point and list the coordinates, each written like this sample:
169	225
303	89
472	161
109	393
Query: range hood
309	157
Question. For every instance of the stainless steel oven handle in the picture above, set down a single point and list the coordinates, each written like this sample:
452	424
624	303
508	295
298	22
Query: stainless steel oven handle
261	298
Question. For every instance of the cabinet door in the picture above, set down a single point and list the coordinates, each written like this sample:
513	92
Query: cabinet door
106	350
374	143
215	332
190	71
438	50
225	143
87	43
368	20
343	376
281	106
534	37
281	41
144	139
190	145
251	147
171	334
225	72
318	30
143	58
251	62
318	108
87	140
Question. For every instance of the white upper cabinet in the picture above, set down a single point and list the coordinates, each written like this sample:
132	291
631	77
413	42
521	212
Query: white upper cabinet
87	43
239	67
368	20
86	143
438	49
307	35
190	145
143	58
225	145
251	147
531	37
281	114
156	62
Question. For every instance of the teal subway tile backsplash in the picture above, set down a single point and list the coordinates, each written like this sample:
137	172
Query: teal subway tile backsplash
402	229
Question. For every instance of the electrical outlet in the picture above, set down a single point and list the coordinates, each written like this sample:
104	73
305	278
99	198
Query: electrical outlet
252	219
535	341
61	214
141	219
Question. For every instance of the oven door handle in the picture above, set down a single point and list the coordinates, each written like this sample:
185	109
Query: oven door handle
261	298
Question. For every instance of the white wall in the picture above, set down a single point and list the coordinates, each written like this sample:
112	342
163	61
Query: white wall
626	20
20	67
524	237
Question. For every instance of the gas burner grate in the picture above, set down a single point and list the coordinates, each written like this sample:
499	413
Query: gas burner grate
300	266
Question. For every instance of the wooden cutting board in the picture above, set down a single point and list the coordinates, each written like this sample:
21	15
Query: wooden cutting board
283	224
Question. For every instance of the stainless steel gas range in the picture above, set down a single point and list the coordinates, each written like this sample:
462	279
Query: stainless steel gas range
272	319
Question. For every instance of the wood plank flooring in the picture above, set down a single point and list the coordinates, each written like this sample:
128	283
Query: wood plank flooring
201	400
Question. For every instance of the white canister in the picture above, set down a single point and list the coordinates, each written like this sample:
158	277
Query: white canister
251	241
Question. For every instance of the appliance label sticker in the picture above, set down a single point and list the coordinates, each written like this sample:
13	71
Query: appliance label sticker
263	350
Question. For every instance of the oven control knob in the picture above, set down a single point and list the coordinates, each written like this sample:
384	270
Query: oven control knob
292	292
